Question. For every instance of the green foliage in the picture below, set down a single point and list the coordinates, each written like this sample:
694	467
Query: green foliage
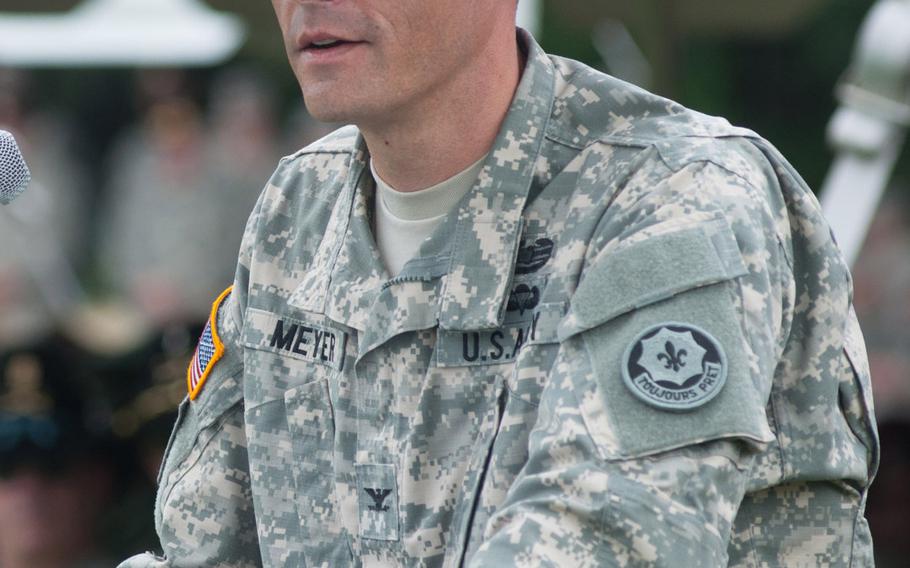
782	87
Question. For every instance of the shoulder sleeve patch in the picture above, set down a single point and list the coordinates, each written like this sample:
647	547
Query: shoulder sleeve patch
672	374
208	351
674	366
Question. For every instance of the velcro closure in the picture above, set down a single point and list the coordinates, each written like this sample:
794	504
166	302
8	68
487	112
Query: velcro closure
652	270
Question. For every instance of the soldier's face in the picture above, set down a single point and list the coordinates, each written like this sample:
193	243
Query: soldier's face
365	61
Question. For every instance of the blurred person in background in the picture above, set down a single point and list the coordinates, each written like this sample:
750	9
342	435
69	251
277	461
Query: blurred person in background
179	184
43	235
160	213
241	139
56	466
48	140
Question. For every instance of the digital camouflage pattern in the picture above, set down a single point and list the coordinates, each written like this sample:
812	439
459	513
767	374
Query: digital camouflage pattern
472	410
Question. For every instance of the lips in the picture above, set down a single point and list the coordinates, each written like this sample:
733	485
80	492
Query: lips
321	49
325	44
320	41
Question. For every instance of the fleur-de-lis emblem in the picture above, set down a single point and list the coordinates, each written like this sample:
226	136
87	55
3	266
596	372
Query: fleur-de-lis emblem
672	358
674	366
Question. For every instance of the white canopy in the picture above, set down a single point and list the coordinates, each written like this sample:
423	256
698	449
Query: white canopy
121	32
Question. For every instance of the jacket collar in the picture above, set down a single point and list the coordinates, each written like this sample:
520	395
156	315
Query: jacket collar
476	287
346	281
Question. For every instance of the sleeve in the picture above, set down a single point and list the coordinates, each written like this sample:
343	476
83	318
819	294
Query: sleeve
654	413
204	511
204	507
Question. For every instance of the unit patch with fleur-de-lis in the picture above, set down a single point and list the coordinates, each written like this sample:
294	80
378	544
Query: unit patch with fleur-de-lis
674	366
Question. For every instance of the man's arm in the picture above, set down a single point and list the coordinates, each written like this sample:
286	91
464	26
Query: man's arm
572	507
654	413
204	509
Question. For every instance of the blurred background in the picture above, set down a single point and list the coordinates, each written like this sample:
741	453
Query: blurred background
151	126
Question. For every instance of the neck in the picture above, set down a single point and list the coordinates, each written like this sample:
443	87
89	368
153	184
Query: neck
455	126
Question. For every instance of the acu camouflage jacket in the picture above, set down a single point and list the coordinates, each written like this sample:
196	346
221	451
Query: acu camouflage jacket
632	343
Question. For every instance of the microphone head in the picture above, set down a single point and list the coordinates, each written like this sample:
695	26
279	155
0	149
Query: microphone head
14	174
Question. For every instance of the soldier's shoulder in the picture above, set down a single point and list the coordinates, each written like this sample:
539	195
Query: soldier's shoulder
593	108
317	171
343	141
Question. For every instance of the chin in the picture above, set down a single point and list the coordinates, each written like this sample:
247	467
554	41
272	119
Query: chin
327	105
328	111
335	107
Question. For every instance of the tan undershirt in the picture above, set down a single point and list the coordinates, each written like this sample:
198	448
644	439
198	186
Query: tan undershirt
405	219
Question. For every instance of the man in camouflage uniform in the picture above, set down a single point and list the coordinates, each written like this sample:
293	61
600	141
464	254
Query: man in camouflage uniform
630	343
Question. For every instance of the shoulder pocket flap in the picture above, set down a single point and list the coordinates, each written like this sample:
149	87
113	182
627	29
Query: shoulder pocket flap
197	423
195	417
640	407
652	270
223	396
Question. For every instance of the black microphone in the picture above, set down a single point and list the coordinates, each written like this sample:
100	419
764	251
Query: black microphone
14	174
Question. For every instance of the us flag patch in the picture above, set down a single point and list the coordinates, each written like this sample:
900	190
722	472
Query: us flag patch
208	351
